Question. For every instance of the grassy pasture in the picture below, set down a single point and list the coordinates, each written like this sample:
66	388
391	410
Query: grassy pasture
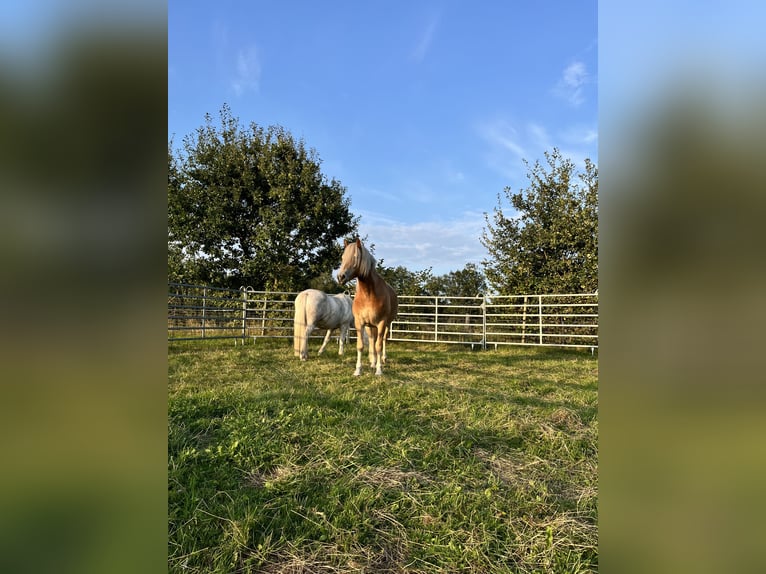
453	461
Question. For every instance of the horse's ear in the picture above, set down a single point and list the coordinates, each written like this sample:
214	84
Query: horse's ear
358	243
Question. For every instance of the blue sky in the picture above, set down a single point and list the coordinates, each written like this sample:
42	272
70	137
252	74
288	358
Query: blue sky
424	111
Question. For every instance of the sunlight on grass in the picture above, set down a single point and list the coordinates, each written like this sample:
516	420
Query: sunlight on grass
453	460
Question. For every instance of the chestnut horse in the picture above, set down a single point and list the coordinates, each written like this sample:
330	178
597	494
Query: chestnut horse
375	303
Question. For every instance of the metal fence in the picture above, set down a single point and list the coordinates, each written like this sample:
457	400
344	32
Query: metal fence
568	320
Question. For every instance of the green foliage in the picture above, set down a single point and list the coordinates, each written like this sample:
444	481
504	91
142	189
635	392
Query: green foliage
552	245
404	281
250	206
453	461
466	282
326	282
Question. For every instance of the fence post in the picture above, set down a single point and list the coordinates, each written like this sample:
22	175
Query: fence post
436	319
484	322
524	322
204	305
263	314
244	313
540	316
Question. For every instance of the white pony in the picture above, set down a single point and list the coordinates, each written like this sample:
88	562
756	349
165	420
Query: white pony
316	309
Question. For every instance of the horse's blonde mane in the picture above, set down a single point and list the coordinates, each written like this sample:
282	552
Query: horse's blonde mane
367	264
366	260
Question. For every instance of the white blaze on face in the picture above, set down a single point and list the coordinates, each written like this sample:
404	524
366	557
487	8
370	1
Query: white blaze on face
347	262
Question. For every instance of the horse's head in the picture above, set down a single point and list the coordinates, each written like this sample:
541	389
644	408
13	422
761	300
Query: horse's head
349	264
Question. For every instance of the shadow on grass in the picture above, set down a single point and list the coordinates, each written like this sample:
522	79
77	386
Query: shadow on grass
289	382
309	452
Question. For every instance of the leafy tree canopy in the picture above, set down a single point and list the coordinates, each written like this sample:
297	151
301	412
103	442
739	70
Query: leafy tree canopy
466	282
551	246
404	281
250	206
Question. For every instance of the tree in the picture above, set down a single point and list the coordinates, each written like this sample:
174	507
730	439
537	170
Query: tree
552	245
250	206
404	281
466	282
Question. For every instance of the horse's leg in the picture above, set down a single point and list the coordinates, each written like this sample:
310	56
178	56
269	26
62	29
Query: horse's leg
373	335
359	347
385	336
379	343
305	342
342	338
297	334
324	343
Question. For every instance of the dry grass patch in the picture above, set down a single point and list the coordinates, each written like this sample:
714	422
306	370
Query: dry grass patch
392	477
453	461
257	479
513	470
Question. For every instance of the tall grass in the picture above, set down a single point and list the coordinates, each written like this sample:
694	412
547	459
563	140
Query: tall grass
453	461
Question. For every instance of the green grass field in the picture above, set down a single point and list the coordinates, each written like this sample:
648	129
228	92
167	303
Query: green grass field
453	461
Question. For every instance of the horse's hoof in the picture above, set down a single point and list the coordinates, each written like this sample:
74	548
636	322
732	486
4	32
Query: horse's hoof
378	373
357	373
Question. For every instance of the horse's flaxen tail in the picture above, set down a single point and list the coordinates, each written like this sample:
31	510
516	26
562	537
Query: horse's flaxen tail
299	327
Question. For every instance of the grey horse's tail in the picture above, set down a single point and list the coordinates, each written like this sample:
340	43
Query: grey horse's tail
299	326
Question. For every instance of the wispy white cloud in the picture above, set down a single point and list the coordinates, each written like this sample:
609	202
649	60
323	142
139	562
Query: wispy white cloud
538	135
419	191
507	147
454	176
240	68
248	71
425	39
580	135
590	137
503	135
571	84
579	142
443	245
384	195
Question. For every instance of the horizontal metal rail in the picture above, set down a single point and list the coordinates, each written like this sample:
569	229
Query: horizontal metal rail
550	320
